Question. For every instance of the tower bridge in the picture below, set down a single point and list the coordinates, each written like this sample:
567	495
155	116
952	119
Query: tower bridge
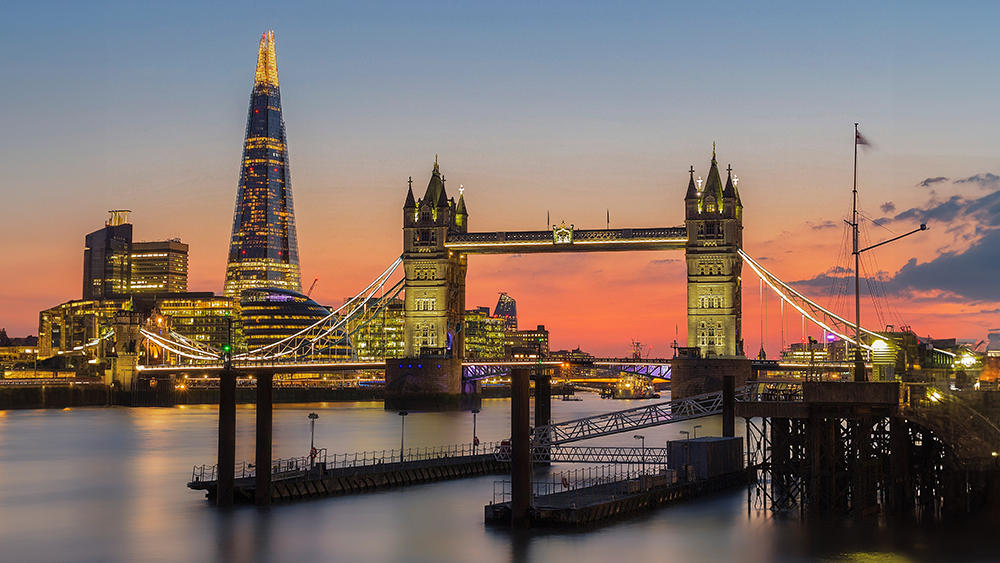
434	371
437	243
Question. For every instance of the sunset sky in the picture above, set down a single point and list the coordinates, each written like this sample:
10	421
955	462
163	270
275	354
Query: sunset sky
574	109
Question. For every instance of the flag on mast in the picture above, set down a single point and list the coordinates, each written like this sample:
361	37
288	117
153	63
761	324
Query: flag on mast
859	139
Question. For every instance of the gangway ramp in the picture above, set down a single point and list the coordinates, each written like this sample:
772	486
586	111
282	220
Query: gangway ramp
628	420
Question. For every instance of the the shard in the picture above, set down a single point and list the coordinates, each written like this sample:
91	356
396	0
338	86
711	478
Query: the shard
264	252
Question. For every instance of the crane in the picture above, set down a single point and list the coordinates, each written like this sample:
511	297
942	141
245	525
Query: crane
311	286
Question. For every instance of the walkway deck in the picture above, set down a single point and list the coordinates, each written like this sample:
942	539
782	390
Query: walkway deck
605	501
305	478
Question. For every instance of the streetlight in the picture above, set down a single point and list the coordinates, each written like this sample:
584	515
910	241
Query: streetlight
402	432
696	427
642	440
475	439
312	438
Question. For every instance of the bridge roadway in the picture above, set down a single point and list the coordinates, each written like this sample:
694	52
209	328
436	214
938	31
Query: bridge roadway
484	369
472	369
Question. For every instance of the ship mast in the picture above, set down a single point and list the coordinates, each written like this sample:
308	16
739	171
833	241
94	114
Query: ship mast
859	363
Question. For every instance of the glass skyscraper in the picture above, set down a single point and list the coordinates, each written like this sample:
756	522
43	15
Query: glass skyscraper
264	252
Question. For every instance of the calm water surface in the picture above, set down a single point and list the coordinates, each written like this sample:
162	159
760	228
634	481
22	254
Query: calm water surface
108	485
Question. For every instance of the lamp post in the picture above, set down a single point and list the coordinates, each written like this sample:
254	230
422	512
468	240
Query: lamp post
696	427
475	438
312	438
642	441
402	432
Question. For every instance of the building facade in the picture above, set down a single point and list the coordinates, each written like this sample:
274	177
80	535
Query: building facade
714	221
484	335
523	344
270	315
159	267
263	251
375	338
507	309
107	259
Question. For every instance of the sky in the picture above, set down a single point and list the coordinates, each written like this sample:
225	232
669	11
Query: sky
575	110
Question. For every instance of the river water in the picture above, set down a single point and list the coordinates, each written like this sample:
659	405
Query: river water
108	485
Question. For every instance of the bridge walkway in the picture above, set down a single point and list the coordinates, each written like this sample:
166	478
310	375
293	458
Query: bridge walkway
629	420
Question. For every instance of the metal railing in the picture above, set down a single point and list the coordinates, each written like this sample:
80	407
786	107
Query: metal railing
360	463
576	454
773	391
591	485
281	469
628	420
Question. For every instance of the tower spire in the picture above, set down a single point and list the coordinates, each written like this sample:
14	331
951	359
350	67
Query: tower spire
692	192
267	62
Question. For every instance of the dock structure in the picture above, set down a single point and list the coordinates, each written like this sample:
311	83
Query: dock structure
869	452
321	476
586	496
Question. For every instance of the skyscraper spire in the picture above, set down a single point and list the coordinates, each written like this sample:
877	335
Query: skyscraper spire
263	252
267	63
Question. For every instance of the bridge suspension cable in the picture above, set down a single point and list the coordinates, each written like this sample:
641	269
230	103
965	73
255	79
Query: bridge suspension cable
816	313
364	307
326	326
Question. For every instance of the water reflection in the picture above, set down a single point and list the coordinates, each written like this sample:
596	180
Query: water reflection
109	485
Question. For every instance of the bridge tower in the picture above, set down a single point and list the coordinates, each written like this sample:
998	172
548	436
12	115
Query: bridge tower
714	221
430	374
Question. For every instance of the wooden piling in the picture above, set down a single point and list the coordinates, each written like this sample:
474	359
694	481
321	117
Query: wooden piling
262	481
520	442
226	475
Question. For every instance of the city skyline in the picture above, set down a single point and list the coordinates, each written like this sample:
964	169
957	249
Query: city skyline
569	114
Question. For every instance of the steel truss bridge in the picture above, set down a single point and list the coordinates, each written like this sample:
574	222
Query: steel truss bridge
308	350
549	441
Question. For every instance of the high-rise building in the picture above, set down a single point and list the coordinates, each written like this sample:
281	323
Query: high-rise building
507	309
263	252
107	259
379	336
484	335
159	267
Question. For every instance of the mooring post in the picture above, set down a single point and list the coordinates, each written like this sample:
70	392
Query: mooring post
520	442
226	472
728	406
262	481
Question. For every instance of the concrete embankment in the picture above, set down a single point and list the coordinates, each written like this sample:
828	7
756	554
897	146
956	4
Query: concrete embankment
52	396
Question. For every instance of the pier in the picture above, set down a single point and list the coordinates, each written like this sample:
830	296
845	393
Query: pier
321	475
586	496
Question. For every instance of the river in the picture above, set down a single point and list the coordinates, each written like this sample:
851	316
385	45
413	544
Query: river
108	485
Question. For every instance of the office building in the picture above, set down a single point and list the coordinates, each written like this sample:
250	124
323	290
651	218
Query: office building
159	267
507	309
107	259
524	344
484	335
263	251
377	336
